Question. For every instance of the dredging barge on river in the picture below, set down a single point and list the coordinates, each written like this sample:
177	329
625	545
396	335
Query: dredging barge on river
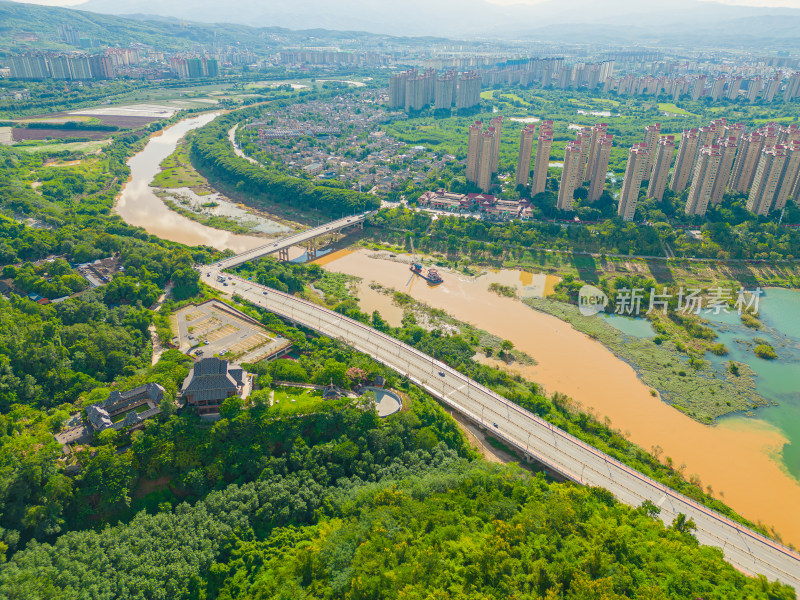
431	276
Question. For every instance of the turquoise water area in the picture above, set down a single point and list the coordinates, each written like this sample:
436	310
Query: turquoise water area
776	380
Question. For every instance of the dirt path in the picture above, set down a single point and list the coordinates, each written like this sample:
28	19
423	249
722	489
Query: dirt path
478	441
158	348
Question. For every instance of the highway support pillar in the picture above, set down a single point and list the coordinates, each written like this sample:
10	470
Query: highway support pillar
311	250
283	254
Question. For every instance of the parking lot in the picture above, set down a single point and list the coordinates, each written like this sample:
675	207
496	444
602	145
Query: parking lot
216	329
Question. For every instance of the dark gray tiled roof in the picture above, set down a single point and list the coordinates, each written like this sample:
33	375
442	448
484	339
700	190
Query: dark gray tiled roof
212	379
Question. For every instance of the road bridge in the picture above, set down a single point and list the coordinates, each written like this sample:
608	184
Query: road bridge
281	247
526	432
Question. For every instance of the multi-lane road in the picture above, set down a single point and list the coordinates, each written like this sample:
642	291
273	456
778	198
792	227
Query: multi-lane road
297	239
531	435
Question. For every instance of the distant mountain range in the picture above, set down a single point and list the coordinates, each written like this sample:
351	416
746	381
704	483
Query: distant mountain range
679	21
261	25
168	33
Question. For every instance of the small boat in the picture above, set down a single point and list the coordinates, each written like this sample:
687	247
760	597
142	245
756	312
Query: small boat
431	276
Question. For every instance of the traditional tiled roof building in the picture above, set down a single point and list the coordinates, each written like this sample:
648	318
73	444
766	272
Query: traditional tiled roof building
210	382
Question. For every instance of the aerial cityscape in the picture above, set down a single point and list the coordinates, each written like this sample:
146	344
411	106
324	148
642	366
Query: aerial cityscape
372	300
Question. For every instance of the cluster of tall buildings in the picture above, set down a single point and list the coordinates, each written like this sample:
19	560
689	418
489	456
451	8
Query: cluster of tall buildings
413	90
696	87
483	152
69	35
543	144
763	163
333	57
123	57
68	66
549	72
194	67
585	160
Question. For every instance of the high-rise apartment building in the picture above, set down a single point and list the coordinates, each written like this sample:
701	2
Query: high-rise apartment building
684	161
195	66
485	160
497	124
68	34
771	89
397	89
734	85
569	175
754	88
540	167
788	134
728	150
80	68
705	137
766	181
698	87
665	150
792	87
771	134
598	133
717	87
747	157
415	93
445	92
705	173
59	67
584	138
632	181
474	151
735	130
651	133
597	178
719	126
29	66
790	176
469	90
102	66
525	149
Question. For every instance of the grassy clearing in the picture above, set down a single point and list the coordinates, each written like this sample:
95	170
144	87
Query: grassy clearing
177	171
703	393
86	147
300	401
608	101
673	109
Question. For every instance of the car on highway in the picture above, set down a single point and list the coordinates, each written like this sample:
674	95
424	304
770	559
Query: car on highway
441	373
265	293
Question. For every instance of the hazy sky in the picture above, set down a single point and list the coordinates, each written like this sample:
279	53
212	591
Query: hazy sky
785	3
